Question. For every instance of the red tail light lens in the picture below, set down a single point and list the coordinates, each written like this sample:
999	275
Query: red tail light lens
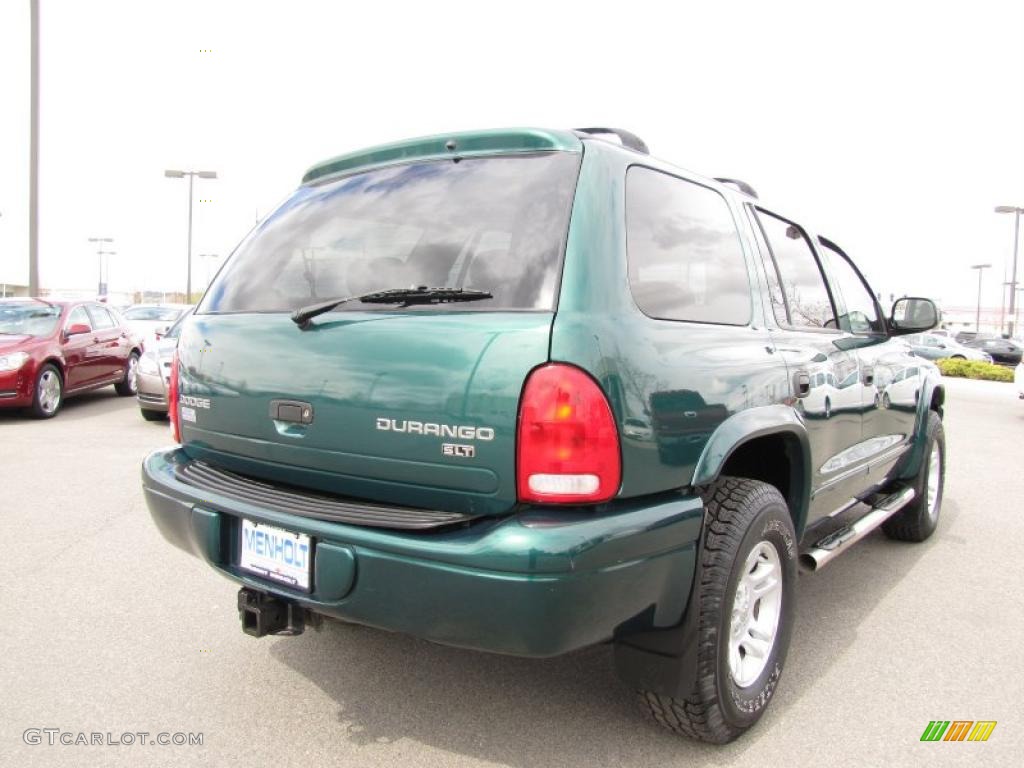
172	400
567	445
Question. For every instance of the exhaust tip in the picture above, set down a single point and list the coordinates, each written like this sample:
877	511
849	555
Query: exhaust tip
808	563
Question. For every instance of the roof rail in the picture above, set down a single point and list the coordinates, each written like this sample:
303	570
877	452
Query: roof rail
742	186
627	139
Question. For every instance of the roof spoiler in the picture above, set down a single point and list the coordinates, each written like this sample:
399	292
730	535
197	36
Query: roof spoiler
626	139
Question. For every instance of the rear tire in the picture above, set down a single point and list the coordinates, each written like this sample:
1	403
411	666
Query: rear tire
149	415
748	572
128	386
48	395
919	519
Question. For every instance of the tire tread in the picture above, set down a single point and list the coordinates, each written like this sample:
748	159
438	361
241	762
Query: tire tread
727	517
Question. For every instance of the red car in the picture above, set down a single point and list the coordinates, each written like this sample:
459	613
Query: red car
52	349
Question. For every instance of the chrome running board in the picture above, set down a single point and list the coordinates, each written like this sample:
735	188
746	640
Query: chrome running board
837	542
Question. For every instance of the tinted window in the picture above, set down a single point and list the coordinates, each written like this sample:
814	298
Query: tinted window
101	318
806	301
861	314
685	257
495	224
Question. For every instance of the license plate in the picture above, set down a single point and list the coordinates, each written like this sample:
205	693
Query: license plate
277	554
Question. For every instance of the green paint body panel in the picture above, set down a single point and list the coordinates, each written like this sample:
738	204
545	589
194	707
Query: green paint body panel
537	583
455	368
519	579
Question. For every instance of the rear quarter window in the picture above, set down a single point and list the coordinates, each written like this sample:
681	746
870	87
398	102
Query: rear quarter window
685	255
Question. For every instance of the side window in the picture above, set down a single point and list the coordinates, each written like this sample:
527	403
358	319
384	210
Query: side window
101	318
685	257
806	302
78	316
861	314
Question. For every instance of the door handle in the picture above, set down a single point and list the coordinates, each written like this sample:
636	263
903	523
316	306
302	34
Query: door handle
802	383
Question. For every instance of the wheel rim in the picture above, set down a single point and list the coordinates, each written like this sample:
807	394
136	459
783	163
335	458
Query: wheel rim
756	608
934	480
49	392
133	364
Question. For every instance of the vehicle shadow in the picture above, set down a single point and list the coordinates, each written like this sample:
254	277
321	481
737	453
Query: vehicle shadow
84	406
571	710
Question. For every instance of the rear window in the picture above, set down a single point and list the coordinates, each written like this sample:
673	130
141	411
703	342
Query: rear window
495	224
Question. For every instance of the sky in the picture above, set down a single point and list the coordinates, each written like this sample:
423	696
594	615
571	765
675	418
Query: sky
892	128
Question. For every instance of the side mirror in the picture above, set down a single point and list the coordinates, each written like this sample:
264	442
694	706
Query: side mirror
913	315
76	329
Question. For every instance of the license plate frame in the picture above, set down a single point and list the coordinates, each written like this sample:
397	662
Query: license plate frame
273	553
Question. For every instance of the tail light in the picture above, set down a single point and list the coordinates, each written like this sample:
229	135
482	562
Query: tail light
172	400
567	444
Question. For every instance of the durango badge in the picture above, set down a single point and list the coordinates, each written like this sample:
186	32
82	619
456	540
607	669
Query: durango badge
430	428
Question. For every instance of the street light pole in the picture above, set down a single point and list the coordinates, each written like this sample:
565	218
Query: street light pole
172	174
33	153
977	315
99	254
1016	211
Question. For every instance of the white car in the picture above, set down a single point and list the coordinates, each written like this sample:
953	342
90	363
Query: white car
904	389
150	320
1018	380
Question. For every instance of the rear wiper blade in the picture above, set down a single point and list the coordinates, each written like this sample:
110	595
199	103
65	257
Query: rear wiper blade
404	296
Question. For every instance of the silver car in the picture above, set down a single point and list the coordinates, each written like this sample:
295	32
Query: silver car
933	347
154	371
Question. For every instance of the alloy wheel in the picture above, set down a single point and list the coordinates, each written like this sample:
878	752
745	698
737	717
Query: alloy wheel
49	392
756	608
934	480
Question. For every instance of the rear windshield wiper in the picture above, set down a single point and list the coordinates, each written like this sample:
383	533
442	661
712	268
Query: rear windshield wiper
404	296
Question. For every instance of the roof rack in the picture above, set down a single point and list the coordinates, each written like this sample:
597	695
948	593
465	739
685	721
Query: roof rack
742	186
627	139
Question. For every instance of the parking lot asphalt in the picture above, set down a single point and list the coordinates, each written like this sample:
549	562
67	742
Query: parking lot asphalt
108	629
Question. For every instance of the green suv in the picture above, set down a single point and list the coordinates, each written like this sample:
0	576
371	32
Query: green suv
526	391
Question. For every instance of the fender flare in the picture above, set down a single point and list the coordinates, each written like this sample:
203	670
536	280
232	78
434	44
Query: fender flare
911	464
665	660
750	424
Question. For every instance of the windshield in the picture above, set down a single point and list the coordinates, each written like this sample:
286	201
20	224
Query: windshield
164	314
30	318
493	224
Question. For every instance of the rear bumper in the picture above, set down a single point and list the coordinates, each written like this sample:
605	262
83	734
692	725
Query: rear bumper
536	583
151	394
